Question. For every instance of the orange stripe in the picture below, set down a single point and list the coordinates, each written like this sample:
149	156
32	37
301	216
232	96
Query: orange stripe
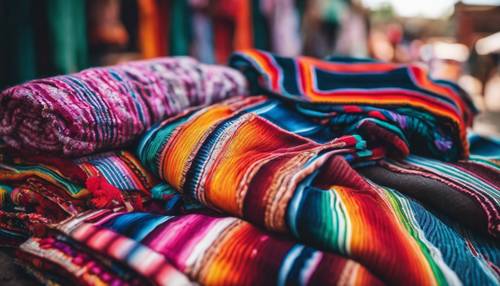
269	69
379	241
176	156
308	85
338	67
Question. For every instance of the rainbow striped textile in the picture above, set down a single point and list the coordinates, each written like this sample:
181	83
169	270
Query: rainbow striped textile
55	188
397	104
250	158
208	249
466	191
141	248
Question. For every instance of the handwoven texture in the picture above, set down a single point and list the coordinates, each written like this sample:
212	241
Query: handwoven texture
55	189
102	108
250	158
467	190
210	250
395	103
340	174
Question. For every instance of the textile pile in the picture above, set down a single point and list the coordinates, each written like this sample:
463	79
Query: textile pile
273	171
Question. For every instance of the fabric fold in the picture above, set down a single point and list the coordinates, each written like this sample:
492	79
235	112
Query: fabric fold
253	158
397	104
466	191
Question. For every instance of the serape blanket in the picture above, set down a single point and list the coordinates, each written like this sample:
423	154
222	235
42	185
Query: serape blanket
116	247
210	250
249	158
103	108
56	262
397	104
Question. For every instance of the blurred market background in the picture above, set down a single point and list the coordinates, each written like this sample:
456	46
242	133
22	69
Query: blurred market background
456	40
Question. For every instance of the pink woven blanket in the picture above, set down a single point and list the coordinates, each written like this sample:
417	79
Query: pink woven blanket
102	108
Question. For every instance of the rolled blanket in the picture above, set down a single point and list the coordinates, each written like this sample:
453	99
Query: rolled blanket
397	104
101	108
258	159
209	250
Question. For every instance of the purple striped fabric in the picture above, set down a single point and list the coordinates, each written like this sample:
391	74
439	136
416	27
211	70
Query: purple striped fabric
101	108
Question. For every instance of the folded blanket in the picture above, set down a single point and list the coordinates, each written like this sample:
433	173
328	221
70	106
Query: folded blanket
101	108
247	157
467	190
210	250
55	188
396	104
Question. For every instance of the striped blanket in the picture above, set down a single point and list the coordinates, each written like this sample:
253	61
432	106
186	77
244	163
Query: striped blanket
467	190
53	189
250	158
215	250
102	108
397	104
209	250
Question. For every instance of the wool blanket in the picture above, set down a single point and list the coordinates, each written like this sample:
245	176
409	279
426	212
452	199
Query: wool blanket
112	247
56	262
466	191
102	108
209	250
256	158
397	104
40	189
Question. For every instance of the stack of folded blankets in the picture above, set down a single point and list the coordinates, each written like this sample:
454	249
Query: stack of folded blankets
272	171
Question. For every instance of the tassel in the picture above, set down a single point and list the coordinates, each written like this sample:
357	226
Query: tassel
104	195
138	203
